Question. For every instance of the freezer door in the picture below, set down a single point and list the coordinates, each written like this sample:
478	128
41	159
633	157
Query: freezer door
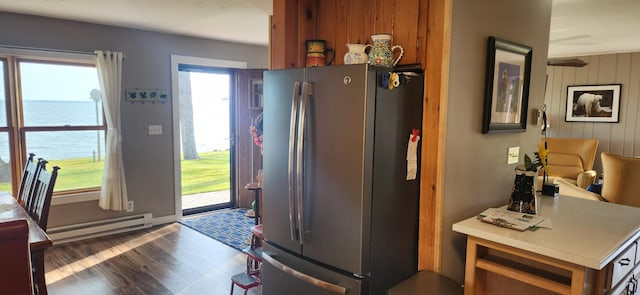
278	203
337	157
284	274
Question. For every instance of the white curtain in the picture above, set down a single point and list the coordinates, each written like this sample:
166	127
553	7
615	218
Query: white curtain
114	187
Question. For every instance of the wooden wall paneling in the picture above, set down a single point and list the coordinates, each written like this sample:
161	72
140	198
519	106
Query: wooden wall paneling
557	122
384	16
421	56
327	19
405	30
622	70
248	157
272	42
369	19
568	78
284	45
343	37
343	12
358	25
554	102
606	75
633	131
307	28
352	22
592	79
438	14
579	78
627	119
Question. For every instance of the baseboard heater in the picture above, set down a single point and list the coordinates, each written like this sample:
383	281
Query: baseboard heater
99	228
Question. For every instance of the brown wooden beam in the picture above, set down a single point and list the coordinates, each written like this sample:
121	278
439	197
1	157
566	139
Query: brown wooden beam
433	130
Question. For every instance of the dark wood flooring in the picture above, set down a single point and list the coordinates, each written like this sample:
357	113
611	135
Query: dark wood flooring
168	259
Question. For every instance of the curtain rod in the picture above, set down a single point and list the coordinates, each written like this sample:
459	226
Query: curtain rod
52	50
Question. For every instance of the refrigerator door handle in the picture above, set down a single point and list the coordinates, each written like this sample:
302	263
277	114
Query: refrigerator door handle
304	277
306	92
292	151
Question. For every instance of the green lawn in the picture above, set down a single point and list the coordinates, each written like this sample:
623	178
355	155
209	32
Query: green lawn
209	173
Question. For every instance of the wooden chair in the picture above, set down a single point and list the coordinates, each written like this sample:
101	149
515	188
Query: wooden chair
38	208
15	256
26	183
40	200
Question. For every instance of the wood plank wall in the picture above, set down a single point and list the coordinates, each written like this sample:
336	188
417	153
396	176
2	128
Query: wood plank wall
248	157
341	22
621	138
422	28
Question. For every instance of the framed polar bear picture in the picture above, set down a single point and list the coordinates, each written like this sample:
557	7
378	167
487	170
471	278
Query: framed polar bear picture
593	103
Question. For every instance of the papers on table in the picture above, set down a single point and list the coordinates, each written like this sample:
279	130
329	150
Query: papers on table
513	220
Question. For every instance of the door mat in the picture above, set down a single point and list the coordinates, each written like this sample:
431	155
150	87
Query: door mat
230	226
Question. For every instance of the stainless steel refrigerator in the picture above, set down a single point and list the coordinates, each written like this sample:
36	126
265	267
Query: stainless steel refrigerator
340	216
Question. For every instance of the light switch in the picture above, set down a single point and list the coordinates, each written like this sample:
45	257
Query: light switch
513	154
155	129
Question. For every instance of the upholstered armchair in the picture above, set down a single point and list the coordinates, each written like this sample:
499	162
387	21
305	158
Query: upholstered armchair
621	183
571	159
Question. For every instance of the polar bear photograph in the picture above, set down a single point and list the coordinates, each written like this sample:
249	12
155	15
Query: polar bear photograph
591	105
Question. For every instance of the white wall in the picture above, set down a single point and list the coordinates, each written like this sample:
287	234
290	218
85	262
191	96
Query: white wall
621	138
476	174
148	160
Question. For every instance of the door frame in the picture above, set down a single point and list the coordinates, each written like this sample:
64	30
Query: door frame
176	60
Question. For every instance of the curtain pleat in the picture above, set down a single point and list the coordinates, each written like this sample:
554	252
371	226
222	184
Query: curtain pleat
113	195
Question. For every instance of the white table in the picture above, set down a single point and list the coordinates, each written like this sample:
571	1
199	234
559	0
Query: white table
586	237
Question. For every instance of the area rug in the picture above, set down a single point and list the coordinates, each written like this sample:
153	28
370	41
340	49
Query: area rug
230	226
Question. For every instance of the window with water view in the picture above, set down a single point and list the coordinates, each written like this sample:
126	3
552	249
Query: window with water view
56	113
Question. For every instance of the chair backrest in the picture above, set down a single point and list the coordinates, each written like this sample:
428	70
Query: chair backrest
568	157
38	207
26	183
621	183
15	269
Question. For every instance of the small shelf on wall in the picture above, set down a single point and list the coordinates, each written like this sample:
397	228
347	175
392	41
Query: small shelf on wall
147	95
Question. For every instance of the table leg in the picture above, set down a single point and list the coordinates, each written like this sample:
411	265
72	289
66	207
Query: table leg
37	262
577	281
470	268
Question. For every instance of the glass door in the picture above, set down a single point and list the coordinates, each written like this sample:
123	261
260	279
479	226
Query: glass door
206	137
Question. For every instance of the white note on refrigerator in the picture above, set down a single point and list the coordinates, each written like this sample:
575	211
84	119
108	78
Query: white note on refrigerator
412	157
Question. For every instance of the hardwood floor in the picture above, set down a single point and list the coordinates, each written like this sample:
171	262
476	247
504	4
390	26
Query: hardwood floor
168	259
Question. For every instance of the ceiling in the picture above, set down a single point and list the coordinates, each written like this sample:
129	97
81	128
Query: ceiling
588	27
578	27
244	21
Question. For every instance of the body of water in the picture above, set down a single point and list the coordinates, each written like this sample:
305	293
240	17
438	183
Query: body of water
83	144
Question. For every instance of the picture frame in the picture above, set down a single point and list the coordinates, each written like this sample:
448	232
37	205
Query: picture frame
255	94
593	103
507	79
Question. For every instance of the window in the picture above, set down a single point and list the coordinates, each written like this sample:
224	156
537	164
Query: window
54	111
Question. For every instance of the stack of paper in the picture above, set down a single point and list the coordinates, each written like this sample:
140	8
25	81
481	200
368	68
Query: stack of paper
510	219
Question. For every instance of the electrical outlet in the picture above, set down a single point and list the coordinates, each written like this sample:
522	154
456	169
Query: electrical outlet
130	206
155	129
513	153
